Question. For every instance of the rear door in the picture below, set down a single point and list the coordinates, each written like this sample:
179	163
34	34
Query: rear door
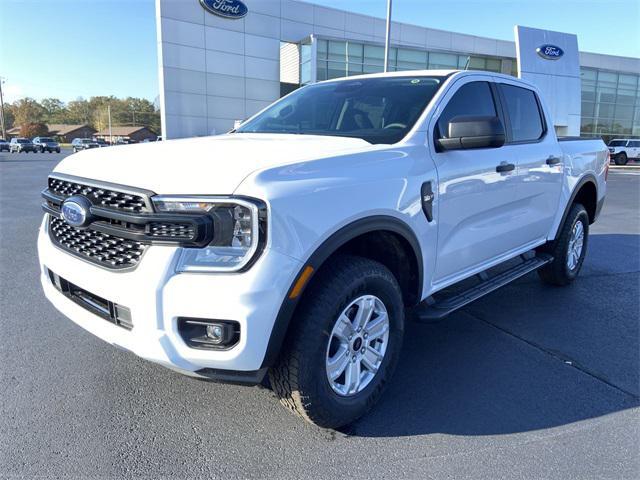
475	202
533	146
634	146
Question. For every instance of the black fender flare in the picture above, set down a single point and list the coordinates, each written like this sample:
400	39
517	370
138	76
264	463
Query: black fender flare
320	255
588	178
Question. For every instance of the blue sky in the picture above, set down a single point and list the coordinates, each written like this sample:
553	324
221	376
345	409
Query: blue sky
72	48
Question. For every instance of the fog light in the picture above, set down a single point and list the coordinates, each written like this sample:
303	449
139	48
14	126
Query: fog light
209	334
215	333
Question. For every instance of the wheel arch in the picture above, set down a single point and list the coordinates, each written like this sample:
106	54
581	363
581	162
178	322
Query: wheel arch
396	229
586	193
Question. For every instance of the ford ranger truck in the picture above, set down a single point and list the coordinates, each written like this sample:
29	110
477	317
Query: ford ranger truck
297	244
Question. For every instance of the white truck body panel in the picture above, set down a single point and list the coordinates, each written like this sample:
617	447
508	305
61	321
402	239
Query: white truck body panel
313	186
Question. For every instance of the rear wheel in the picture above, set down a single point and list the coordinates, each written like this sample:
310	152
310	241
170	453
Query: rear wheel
621	159
568	250
345	344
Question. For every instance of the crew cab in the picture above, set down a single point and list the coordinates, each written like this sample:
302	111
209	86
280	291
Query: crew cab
19	145
298	244
621	150
46	144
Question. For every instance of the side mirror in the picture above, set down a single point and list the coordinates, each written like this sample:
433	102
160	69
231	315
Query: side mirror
473	132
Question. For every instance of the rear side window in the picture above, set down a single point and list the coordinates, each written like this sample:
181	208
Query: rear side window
525	117
634	143
474	98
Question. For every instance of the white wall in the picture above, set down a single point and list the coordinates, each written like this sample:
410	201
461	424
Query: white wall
558	80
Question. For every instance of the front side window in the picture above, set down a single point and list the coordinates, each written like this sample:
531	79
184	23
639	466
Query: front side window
525	117
377	110
472	99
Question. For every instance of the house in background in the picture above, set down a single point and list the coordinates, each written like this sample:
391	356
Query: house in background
66	133
125	134
63	133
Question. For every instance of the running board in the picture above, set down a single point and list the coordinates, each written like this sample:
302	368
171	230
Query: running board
432	309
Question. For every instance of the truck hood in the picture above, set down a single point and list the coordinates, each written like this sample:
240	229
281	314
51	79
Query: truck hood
205	165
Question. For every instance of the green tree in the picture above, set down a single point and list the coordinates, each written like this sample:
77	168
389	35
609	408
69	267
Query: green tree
27	110
55	110
9	116
78	112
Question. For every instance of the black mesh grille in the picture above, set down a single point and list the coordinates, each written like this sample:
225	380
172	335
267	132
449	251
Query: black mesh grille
100	196
172	230
107	250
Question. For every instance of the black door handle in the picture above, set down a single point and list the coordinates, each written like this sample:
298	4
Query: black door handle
505	167
553	160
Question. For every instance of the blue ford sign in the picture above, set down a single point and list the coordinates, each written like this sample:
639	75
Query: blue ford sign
225	8
75	211
550	52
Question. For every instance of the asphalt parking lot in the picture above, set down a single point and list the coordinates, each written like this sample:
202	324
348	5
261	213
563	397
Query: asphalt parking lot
530	382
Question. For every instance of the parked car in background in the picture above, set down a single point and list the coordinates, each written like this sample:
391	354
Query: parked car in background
46	144
19	145
295	249
83	144
4	145
623	149
102	143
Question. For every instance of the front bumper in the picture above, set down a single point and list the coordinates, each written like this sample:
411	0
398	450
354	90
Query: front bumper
157	296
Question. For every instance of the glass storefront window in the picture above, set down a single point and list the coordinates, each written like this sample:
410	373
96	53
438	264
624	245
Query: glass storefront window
322	49
442	61
373	55
337	51
608	100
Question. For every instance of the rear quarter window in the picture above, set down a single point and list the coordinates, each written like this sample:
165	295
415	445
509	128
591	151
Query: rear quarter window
525	117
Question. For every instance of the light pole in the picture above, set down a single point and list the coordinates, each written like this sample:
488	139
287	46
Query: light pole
4	130
110	135
387	37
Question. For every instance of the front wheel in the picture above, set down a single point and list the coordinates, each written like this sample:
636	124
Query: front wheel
344	346
621	159
568	250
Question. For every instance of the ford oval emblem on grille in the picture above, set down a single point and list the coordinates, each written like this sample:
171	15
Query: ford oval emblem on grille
549	52
225	8
75	211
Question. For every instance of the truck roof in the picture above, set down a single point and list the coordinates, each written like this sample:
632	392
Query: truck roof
433	73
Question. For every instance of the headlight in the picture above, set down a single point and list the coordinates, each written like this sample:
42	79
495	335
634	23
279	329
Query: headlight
239	232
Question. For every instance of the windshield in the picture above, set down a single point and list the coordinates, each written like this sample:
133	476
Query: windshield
23	140
617	143
47	140
378	110
86	140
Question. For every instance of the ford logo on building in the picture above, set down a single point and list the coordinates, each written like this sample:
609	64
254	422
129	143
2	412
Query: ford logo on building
75	211
225	8
550	52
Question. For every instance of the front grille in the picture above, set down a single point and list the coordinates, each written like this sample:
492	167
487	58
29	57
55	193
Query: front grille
106	250
100	196
120	222
172	230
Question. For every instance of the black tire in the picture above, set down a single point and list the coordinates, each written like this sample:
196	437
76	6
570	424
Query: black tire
299	378
621	159
57	150
558	272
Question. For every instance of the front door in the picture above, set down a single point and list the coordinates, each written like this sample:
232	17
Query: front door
477	189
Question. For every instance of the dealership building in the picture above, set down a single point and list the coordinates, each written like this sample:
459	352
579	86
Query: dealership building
221	61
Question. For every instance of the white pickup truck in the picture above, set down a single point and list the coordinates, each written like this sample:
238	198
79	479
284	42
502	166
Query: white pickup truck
297	244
